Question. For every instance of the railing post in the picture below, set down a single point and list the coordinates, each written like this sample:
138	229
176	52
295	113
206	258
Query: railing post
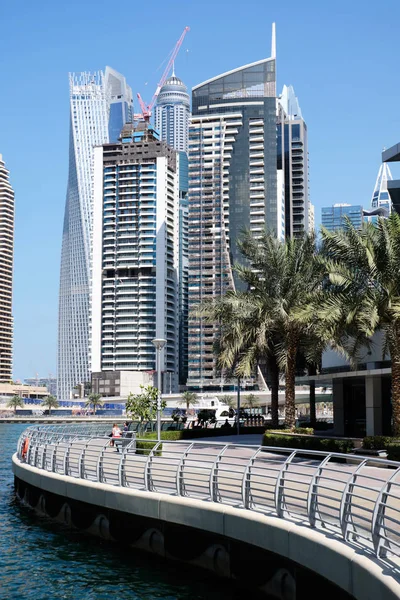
66	456
246	481
180	484
379	514
345	505
312	498
213	483
280	485
99	468
147	469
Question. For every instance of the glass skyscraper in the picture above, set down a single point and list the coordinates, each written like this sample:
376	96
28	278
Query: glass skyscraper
333	217
232	185
293	163
172	114
99	104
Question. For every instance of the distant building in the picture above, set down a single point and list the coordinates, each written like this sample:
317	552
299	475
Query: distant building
6	272
49	383
100	104
334	217
293	161
172	114
8	390
233	184
393	186
311	217
136	257
381	205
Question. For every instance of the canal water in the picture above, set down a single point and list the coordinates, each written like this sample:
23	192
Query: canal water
41	560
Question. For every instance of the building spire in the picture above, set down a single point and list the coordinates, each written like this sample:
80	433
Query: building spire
173	69
273	42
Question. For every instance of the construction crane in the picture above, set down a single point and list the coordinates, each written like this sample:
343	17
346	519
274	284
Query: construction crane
146	110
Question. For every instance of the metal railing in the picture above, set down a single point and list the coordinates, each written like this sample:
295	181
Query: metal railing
356	498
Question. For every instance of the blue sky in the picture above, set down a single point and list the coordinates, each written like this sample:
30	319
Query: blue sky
340	57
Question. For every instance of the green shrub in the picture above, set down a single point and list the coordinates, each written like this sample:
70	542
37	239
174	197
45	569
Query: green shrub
319	425
304	430
278	427
393	450
376	442
307	443
299	430
144	448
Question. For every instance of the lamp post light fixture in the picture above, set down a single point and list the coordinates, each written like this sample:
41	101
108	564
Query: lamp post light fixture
159	344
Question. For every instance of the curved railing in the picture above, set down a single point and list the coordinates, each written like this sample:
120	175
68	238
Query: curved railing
358	499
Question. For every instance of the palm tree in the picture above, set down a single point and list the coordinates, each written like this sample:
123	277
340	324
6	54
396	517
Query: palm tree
50	402
228	400
250	401
244	342
94	400
363	290
15	402
189	399
279	278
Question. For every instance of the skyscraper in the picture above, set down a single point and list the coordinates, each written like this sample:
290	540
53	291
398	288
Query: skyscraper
293	161
232	185
6	272
99	104
333	217
380	195
136	258
172	114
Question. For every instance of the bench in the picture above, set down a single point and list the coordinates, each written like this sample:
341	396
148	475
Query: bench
125	440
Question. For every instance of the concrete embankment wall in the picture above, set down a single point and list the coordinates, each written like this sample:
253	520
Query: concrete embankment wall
275	556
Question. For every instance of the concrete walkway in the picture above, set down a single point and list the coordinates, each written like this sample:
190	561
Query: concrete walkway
253	439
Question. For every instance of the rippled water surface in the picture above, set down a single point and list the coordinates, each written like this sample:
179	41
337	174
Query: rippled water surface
40	560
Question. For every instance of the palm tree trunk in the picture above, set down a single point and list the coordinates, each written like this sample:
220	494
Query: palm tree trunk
312	370
395	356
274	371
290	373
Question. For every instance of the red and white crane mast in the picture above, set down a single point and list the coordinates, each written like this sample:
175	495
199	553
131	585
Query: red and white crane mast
146	110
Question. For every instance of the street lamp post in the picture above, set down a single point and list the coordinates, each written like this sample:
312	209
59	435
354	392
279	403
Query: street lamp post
238	407
159	345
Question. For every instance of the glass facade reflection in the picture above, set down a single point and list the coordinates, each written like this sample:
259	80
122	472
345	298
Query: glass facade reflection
232	186
334	217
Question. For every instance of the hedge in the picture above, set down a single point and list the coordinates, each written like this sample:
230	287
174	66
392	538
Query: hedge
307	443
393	450
299	430
319	425
383	442
193	434
376	442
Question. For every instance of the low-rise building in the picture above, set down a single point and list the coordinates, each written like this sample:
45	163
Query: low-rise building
362	397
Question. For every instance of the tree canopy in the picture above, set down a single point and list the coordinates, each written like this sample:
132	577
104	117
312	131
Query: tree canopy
143	406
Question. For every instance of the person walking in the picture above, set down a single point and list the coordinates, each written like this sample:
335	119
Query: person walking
116	433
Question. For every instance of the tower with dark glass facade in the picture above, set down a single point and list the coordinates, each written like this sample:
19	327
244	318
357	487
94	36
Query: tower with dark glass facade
293	164
232	185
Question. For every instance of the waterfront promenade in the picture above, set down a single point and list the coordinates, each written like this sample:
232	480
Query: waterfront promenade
347	508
